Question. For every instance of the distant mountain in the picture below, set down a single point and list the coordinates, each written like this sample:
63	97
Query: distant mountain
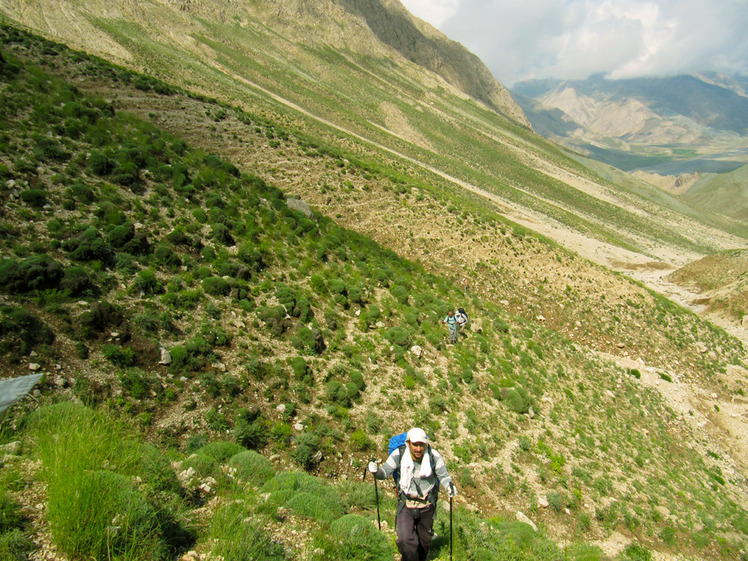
669	126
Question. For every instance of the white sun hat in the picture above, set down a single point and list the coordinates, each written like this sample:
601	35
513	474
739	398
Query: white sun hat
417	435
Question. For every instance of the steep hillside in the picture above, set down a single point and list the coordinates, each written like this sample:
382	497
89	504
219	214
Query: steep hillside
724	192
386	86
720	280
157	265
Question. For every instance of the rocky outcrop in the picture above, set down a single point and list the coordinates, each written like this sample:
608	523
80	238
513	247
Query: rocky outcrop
424	45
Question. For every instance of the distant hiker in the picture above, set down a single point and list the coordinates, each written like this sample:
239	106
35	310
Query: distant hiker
462	318
465	284
421	470
451	322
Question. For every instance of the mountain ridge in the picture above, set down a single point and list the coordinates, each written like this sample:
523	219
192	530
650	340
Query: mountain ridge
658	125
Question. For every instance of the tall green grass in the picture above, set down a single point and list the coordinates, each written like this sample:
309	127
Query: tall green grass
234	536
99	491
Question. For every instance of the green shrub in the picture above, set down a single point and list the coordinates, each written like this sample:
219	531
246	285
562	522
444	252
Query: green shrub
222	235
146	282
280	433
90	246
179	357
202	464
635	552
94	513
15	545
311	506
357	379
157	470
34	197
399	336
50	149
100	163
275	318
307	340
82	193
220	450
400	293
555	501
301	370
120	235
233	536
77	282
137	383
252	467
307	452
358	494
165	255
216	286
584	552
251	434
356	538
518	400
119	356
21	331
285	485
361	441
337	393
38	272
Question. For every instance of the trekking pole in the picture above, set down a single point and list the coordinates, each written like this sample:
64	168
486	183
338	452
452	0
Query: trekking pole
376	494
450	528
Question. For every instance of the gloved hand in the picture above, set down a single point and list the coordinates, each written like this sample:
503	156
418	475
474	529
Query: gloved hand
451	489
373	467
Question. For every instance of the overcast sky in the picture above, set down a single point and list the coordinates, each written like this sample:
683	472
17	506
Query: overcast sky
570	39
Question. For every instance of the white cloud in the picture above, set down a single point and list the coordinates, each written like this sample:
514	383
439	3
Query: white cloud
519	39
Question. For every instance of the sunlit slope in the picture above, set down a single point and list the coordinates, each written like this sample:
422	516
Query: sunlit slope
726	193
323	67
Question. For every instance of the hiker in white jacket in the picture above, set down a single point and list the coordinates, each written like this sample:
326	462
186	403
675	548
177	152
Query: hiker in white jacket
421	470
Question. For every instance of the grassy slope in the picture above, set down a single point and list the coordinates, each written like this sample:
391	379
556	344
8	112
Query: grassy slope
339	84
511	364
724	192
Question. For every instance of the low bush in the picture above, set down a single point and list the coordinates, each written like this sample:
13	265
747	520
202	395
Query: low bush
252	467
21	331
337	393
146	282
635	552
120	235
137	383
38	272
216	286
356	538
518	400
221	450
77	282
251	433
399	336
36	198
118	355
307	452
15	545
234	536
311	506
90	246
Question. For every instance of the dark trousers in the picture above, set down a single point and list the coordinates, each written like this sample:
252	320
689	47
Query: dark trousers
415	528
